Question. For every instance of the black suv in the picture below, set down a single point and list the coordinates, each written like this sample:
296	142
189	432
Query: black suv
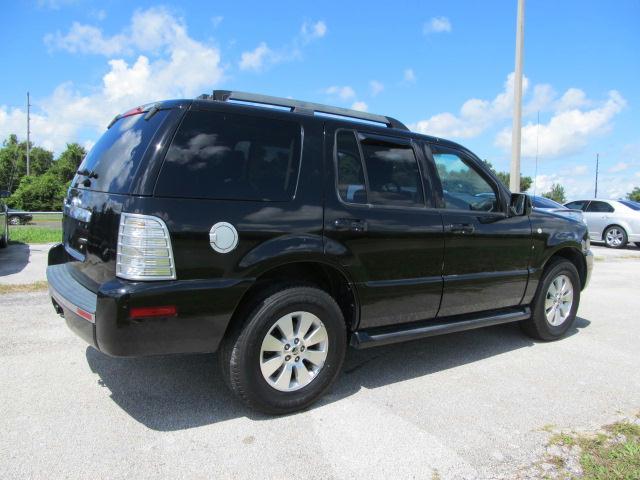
279	232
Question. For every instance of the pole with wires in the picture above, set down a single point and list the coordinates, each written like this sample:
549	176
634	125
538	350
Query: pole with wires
28	134
514	180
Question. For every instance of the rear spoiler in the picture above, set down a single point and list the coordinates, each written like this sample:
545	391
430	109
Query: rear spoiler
150	109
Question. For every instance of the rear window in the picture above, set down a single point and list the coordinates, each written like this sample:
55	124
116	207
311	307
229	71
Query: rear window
115	158
599	207
232	157
630	204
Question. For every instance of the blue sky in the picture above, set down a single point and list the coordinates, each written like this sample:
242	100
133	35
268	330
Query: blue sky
441	67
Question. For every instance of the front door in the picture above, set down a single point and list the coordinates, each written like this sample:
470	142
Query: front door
597	215
487	251
379	225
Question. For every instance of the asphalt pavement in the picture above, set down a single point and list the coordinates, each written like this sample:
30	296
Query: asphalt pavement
475	404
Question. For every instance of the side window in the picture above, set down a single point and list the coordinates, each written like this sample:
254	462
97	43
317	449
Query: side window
599	207
351	185
235	157
577	205
463	187
393	174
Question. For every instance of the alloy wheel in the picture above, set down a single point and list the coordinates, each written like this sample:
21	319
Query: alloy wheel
294	351
559	300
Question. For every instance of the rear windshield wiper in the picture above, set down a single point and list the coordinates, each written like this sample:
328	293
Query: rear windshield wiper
87	173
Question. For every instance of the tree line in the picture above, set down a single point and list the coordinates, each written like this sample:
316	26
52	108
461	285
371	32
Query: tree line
49	178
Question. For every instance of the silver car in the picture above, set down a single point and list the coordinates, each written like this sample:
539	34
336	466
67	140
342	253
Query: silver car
614	222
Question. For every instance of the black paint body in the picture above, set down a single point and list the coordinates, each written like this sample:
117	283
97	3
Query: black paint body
403	267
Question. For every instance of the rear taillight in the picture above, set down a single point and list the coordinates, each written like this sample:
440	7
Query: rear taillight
144	249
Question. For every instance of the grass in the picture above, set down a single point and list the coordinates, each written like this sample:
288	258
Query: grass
609	455
31	234
24	287
57	217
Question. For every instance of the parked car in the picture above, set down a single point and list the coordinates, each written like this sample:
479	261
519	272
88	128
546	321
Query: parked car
547	205
614	222
279	236
4	222
19	218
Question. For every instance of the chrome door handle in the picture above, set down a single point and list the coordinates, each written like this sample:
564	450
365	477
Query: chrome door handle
350	224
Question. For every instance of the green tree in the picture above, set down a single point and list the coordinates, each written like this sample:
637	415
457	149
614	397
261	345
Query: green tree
634	194
504	177
556	193
13	162
68	162
39	193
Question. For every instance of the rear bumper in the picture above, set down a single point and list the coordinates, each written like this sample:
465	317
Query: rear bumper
204	309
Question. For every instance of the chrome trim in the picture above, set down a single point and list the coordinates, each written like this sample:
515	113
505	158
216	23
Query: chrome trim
63	302
169	247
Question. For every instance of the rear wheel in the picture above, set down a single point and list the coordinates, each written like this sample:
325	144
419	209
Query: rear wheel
615	237
556	302
15	220
288	353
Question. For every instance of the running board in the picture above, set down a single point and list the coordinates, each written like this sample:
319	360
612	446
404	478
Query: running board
399	333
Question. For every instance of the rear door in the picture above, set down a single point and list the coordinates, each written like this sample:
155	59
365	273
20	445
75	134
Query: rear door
380	224
597	215
487	252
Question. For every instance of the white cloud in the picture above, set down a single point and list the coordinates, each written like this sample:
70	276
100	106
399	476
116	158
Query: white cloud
256	59
174	65
311	31
217	20
375	87
86	39
437	25
619	167
263	57
360	106
409	75
567	131
343	93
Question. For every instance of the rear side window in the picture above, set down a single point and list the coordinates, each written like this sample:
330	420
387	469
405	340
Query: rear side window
599	207
577	205
232	157
115	158
389	174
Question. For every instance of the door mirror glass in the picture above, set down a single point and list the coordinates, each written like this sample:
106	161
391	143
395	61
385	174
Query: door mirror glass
520	204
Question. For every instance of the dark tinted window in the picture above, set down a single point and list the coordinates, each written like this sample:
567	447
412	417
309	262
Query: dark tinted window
630	204
117	155
600	207
577	205
351	186
237	157
463	188
392	171
543	202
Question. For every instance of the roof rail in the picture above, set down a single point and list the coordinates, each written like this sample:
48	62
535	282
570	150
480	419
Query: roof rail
299	106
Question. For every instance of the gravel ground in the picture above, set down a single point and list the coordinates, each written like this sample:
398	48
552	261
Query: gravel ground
21	263
470	405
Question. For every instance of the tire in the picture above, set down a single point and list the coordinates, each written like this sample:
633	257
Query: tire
539	326
15	220
615	237
249	350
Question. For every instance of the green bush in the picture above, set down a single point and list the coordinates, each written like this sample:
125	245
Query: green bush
43	193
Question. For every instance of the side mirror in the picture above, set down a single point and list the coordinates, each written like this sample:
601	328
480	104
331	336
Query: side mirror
520	204
5	193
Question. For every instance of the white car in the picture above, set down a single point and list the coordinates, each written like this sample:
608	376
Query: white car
614	222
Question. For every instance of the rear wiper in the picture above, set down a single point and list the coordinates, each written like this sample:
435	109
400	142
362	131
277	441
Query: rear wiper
87	173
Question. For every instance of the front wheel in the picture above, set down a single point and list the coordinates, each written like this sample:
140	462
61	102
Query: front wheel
288	353
556	303
615	237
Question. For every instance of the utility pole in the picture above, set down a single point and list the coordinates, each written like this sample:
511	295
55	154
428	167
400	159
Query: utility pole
28	134
514	178
597	164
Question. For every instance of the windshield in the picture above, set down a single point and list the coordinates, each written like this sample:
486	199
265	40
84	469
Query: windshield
542	202
630	204
114	159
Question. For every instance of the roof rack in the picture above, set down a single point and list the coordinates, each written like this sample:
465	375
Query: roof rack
298	106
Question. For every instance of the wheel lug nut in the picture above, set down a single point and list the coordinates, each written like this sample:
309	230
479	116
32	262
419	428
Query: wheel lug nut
302	349
287	346
287	358
296	341
297	359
